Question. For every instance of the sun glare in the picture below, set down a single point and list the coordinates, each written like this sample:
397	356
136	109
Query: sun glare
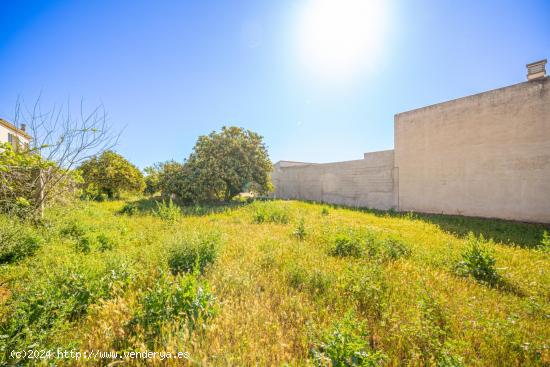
339	39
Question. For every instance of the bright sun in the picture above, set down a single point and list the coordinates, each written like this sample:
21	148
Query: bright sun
339	39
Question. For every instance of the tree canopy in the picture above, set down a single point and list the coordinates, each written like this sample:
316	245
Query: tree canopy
222	165
110	174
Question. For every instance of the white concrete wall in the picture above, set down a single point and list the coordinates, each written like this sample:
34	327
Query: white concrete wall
362	183
485	155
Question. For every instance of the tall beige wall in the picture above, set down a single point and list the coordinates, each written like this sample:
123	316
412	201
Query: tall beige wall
362	183
484	155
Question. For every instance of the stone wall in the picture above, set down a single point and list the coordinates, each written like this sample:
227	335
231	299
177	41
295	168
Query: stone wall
366	182
484	155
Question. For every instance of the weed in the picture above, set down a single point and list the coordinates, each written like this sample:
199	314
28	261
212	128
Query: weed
84	245
105	243
300	231
73	230
324	211
478	261
130	209
346	345
545	242
348	245
270	213
173	299
367	288
168	212
194	253
17	242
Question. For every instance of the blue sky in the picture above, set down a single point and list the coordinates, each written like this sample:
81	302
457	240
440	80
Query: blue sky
169	71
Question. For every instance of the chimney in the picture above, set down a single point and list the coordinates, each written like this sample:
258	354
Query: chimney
23	127
536	70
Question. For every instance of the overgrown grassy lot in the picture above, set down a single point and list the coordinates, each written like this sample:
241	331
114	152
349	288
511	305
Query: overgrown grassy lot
275	283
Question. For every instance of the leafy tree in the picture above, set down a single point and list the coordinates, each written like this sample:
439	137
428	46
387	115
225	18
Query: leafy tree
224	164
110	174
152	179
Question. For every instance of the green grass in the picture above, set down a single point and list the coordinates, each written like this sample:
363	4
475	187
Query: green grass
274	283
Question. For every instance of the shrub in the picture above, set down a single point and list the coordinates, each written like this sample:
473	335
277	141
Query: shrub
194	254
346	344
168	212
324	211
17	242
300	231
173	299
478	262
348	245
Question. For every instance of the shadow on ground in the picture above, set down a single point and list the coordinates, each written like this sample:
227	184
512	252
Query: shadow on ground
150	205
526	235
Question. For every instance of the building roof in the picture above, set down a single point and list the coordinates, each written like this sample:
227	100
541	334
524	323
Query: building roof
14	128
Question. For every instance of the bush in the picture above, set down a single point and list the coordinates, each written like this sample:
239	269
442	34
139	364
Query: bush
173	299
324	211
345	345
348	245
17	242
478	262
168	212
194	254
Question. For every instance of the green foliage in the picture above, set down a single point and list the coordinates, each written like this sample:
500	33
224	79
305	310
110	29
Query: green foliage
17	241
300	231
194	254
110	174
84	244
222	165
105	243
346	345
348	245
152	178
181	300
54	303
168	212
324	211
366	287
130	209
316	282
74	230
18	180
270	213
545	242
478	262
361	243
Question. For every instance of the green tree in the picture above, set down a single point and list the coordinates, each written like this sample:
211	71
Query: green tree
224	164
110	174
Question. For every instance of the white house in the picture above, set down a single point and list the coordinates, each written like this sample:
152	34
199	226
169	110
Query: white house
17	137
